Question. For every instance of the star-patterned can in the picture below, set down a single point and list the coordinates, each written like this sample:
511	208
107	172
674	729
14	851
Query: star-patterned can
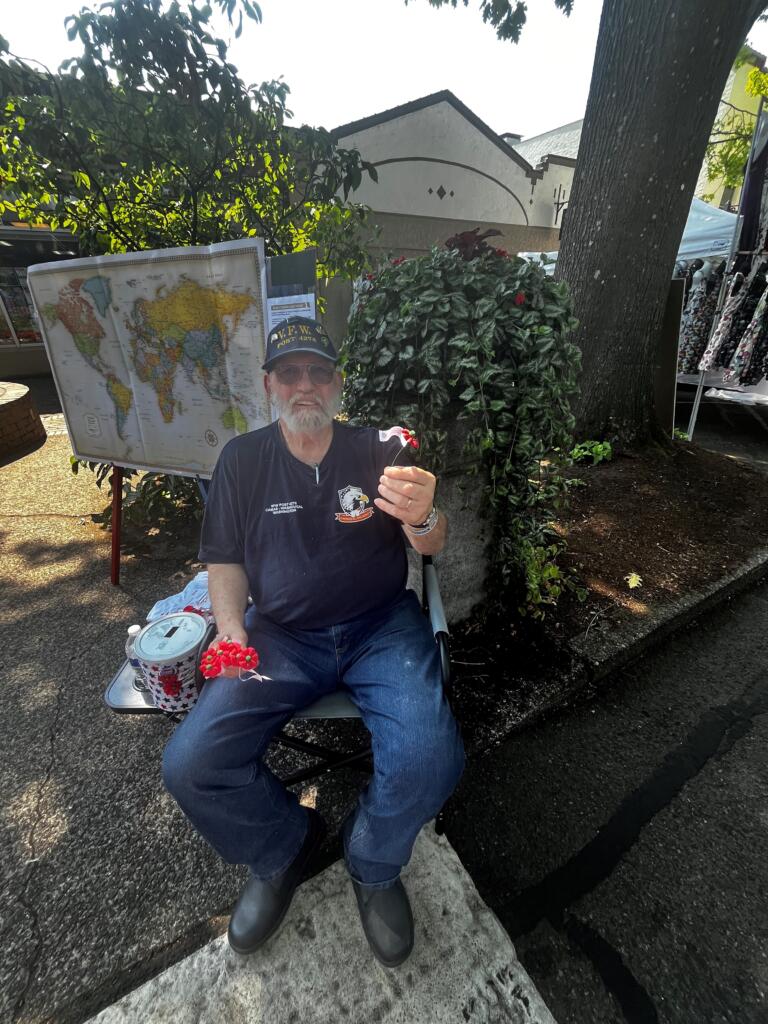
168	651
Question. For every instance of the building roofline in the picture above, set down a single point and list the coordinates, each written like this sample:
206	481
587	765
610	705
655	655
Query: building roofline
551	131
444	96
753	53
553	158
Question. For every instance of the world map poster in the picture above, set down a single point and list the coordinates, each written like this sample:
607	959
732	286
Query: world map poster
157	355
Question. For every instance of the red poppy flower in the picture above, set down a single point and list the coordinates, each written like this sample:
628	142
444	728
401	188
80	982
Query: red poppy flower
211	663
519	298
398	260
227	654
410	438
501	252
247	658
210	668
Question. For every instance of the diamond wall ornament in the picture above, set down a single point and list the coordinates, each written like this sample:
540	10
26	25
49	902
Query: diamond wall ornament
441	192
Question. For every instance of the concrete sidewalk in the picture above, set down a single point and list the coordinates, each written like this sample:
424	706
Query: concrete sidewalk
318	968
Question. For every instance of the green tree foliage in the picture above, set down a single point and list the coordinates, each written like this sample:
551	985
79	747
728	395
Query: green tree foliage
507	16
151	139
728	148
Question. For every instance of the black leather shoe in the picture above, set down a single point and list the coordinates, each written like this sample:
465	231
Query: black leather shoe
387	922
262	905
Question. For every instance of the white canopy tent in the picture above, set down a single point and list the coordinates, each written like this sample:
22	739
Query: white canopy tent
708	232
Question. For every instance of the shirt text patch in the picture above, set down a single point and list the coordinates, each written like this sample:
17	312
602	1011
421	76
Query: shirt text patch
279	508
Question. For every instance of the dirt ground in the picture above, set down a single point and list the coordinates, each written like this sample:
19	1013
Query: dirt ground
677	519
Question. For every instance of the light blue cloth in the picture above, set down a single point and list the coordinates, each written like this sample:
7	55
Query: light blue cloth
195	593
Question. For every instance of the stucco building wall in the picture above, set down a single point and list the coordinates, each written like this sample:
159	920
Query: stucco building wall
438	160
442	171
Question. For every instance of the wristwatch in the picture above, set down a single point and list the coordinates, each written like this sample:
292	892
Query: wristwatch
427	526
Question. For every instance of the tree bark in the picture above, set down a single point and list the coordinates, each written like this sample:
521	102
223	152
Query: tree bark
660	69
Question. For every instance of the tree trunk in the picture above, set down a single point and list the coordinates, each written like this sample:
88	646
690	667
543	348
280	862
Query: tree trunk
660	69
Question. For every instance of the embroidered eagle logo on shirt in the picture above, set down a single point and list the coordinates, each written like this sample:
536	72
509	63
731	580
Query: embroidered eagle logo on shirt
354	504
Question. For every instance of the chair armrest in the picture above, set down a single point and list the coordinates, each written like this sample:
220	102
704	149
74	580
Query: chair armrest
433	604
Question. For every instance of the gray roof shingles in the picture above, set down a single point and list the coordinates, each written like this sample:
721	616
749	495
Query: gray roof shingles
562	141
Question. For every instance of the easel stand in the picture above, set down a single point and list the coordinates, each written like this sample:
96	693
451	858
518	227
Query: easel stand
117	517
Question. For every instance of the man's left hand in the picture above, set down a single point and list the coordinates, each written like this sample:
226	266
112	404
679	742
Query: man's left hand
407	493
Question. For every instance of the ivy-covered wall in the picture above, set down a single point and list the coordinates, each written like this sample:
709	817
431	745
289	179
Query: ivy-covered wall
469	338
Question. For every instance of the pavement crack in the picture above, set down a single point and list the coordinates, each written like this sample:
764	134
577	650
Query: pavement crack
634	1000
713	736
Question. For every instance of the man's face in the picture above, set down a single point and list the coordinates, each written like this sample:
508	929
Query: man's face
304	406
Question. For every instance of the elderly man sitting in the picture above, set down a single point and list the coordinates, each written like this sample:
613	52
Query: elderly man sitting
290	520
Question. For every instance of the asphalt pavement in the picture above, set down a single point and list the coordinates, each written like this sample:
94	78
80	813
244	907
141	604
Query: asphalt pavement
622	842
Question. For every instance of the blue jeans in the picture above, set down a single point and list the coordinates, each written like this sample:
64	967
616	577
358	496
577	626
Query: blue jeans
388	662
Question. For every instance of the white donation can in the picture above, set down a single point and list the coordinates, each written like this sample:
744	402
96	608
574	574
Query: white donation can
169	652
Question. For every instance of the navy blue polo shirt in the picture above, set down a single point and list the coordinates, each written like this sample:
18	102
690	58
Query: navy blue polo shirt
315	549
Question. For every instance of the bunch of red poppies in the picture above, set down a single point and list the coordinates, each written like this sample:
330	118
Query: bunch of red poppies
227	654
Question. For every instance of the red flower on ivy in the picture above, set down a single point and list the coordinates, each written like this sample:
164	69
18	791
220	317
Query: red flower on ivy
519	298
502	252
398	260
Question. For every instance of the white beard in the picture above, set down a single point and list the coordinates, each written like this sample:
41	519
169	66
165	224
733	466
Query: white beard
307	420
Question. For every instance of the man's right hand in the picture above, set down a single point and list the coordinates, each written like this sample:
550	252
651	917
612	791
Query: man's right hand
237	635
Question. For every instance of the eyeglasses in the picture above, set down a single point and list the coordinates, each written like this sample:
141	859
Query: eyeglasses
293	372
